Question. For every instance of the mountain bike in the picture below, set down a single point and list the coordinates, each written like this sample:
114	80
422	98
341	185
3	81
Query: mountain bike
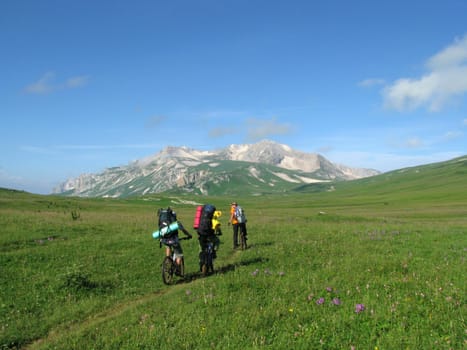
170	266
206	257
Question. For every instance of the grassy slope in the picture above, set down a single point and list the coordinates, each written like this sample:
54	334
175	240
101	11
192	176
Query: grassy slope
395	243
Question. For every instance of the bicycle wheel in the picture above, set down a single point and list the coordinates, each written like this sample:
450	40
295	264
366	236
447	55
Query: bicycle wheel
243	241
167	270
205	261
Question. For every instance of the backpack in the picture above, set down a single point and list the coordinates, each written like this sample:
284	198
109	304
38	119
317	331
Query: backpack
240	215
205	221
167	217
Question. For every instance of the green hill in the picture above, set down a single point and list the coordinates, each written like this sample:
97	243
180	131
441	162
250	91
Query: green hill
432	182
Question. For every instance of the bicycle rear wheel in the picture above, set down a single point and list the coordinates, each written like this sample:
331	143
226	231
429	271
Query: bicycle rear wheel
167	270
210	260
243	241
206	262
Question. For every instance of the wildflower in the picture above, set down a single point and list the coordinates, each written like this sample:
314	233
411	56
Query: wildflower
254	273
281	273
310	296
291	310
336	301
359	308
188	292
320	301
329	289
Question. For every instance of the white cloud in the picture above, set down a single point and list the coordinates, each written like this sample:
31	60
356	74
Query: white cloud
43	85
222	131
445	79
258	129
452	135
414	142
371	82
47	84
75	82
155	121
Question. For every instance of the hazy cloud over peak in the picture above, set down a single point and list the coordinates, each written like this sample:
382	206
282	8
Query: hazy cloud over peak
259	129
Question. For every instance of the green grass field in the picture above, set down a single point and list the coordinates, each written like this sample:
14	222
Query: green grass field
375	264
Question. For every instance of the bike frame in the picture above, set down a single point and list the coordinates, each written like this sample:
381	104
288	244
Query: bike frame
169	265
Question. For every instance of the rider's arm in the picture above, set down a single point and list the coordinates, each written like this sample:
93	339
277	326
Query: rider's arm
180	226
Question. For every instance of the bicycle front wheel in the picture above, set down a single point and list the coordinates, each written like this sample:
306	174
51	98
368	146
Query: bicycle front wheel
167	270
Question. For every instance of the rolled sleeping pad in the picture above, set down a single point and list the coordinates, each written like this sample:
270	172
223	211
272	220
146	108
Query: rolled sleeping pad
197	216
166	230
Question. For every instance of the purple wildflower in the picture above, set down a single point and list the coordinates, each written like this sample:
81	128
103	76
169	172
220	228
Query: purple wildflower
336	301
320	301
359	308
329	289
254	273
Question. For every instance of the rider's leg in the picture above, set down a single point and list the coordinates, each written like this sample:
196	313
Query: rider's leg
202	243
178	254
235	235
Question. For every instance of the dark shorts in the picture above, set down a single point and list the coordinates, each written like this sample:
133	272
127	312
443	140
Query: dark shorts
175	244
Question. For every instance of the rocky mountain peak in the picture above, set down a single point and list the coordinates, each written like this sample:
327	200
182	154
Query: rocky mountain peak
184	169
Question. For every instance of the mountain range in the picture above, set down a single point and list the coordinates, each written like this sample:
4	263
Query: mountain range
255	169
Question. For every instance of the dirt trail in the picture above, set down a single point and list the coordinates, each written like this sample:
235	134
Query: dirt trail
119	308
95	319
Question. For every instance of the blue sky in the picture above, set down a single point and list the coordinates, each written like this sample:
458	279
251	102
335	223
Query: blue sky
86	85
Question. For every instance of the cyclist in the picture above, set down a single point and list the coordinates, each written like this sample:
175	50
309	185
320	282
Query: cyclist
210	235
172	240
237	223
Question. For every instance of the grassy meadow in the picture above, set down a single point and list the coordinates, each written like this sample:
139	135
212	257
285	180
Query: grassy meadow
368	266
